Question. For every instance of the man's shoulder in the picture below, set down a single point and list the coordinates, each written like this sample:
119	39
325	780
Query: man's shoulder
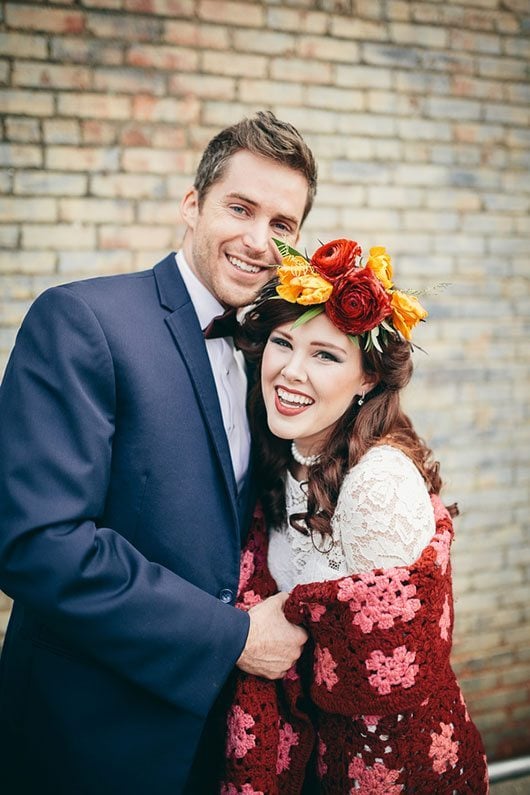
115	287
115	283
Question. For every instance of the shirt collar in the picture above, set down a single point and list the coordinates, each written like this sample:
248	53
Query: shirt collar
205	304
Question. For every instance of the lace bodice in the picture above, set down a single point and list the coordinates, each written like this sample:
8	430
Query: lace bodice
383	518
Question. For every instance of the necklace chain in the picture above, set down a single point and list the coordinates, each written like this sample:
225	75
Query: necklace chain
303	460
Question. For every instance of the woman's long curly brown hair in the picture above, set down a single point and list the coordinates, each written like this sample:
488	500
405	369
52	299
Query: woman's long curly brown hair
379	420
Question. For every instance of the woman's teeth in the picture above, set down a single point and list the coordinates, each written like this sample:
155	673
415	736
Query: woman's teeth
290	399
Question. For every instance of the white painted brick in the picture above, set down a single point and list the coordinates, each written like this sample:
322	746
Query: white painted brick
280	18
367	124
24	261
337	99
14	209
428	36
394	196
95	210
58	236
87	263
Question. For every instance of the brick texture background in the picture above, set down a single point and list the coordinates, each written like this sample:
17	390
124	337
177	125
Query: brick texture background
419	115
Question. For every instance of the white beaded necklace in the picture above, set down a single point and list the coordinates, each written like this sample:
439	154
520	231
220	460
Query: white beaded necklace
304	460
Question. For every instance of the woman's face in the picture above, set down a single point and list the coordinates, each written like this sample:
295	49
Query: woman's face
309	377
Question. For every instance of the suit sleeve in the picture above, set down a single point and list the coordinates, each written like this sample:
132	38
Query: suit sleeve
57	405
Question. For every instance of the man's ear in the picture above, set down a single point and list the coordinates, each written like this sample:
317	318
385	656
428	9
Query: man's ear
189	208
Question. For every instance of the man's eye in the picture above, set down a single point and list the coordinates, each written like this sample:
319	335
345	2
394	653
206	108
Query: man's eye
286	232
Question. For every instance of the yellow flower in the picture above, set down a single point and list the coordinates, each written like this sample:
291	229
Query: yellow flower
306	289
315	290
406	312
296	264
286	289
381	264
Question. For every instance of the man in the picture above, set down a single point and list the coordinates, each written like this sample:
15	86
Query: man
124	494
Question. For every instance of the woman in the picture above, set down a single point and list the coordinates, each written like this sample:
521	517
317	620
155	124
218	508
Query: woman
359	537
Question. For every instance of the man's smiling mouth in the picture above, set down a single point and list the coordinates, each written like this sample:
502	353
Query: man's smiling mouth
243	266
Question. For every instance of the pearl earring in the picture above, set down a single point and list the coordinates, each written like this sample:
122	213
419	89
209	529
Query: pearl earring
361	400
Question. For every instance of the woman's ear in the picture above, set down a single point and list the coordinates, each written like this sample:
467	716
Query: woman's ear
368	383
189	208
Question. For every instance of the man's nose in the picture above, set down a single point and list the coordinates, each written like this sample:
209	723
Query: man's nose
257	237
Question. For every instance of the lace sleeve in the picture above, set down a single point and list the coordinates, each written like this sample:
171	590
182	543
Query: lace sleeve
384	516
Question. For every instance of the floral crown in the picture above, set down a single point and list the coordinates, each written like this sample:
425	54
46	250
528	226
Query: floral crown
359	298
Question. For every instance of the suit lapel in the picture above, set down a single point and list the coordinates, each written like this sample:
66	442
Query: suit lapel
187	334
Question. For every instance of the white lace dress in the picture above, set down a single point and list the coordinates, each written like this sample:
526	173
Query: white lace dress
383	518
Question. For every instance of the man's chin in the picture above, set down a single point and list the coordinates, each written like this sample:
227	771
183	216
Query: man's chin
238	296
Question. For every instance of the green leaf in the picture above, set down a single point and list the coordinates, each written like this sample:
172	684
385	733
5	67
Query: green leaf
285	249
355	339
282	247
308	315
388	328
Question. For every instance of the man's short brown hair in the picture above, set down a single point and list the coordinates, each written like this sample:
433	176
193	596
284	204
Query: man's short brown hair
264	135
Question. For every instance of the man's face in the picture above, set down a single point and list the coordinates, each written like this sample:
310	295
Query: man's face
228	243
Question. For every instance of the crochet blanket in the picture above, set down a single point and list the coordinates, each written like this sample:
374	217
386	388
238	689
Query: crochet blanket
372	706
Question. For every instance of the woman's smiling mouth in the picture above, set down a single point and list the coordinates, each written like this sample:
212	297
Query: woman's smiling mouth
288	402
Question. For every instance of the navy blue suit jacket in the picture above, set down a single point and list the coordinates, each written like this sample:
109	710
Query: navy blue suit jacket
120	535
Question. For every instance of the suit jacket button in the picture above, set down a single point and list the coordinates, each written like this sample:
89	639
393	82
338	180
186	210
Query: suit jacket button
226	595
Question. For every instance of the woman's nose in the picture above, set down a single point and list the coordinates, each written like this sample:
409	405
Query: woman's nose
293	370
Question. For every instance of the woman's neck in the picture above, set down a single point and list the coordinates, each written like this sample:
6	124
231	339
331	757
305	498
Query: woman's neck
298	471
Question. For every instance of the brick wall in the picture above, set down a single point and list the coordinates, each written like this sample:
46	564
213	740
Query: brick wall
418	113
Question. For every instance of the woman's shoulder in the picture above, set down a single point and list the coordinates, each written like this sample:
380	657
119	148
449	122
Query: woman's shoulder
385	459
390	473
384	514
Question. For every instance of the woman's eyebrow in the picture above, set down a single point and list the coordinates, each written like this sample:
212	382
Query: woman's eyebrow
318	344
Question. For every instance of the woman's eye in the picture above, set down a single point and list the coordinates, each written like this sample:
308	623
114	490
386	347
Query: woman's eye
279	341
327	356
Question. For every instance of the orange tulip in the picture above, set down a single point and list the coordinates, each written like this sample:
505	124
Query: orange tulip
306	289
381	264
406	312
296	263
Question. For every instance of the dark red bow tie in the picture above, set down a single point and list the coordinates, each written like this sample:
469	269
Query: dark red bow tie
224	325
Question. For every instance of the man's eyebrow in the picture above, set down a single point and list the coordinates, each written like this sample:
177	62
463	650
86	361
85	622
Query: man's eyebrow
294	221
242	197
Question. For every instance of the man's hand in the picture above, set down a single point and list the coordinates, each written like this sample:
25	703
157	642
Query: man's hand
273	643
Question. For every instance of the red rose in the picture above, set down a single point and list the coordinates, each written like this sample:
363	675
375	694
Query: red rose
358	302
336	259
